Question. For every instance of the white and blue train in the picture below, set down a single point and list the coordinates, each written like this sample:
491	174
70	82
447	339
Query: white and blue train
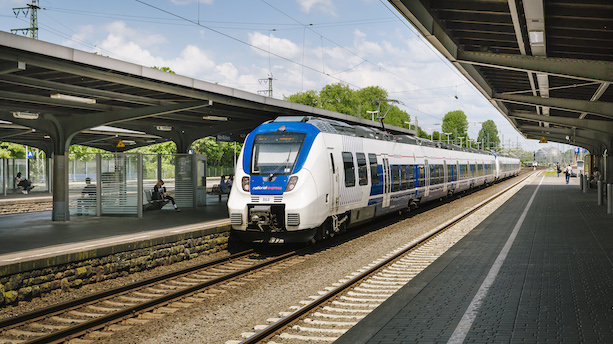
303	178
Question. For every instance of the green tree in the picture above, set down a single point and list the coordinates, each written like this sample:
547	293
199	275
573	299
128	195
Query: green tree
164	69
9	150
339	98
456	124
489	134
213	150
310	98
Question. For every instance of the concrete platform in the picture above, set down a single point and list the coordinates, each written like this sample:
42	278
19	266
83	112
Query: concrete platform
537	270
32	239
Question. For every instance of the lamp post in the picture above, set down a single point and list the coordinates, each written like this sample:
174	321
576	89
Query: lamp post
431	134
372	113
447	136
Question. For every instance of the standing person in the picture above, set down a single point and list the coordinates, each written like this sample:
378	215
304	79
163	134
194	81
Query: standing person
159	192
558	169
23	183
230	181
567	173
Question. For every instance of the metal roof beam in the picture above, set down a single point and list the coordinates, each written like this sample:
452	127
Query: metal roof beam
564	67
604	109
11	67
89	92
570	132
592	146
588	124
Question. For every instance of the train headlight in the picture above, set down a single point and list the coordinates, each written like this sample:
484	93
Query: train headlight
245	183
291	184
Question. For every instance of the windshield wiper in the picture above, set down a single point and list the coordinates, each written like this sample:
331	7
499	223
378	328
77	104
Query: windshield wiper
286	162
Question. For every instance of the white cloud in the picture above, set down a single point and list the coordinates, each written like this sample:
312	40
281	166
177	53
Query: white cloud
140	37
278	46
324	6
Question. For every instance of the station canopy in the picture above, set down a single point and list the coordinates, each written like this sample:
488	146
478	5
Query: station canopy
546	66
53	96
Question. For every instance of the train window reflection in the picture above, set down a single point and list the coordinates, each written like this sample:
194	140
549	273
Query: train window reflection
276	153
349	169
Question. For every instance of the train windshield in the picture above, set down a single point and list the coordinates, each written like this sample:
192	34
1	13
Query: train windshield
276	153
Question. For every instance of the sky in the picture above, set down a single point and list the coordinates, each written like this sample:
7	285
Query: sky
302	44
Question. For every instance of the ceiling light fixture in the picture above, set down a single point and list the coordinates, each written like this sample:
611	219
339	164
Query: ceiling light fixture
215	118
163	127
73	98
25	115
536	37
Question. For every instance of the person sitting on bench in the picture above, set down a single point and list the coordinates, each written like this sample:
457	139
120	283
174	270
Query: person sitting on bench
23	183
159	192
223	186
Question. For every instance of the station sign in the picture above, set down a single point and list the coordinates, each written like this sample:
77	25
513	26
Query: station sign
224	138
30	154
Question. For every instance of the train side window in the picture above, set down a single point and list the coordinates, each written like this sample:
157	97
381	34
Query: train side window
349	169
422	176
450	170
433	175
411	177
395	178
404	182
362	169
374	169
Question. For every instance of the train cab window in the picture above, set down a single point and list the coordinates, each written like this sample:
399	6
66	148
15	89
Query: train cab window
349	169
374	169
411	176
395	178
276	153
362	169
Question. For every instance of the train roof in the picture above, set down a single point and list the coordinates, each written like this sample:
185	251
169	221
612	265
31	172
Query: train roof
332	126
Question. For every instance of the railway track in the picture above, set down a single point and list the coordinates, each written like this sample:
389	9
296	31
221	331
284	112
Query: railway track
326	316
102	314
136	303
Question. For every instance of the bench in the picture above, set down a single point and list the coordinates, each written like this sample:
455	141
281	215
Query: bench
216	190
153	204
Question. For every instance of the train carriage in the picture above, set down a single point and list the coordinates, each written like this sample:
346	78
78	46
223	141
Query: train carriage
303	178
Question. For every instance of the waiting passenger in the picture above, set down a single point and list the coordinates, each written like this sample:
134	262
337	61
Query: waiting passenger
87	201
230	181
223	186
159	192
23	183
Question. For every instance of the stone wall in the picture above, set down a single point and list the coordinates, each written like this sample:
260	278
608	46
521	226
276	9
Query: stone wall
24	285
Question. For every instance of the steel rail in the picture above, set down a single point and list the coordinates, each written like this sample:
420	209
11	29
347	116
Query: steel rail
273	329
101	322
61	307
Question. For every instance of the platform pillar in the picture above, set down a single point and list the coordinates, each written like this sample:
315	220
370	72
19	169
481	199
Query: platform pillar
580	181
61	212
585	182
599	187
609	198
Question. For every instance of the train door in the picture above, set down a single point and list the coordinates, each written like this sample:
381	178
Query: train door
427	181
334	183
386	183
